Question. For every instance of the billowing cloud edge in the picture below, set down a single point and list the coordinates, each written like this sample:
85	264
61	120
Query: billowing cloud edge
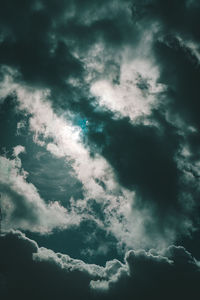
138	267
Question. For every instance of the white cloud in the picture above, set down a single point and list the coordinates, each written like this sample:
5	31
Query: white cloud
22	205
18	149
117	76
126	98
126	224
120	220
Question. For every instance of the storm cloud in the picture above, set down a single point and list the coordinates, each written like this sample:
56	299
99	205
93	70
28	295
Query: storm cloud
30	271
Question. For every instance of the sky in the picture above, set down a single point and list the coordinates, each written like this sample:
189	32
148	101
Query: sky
99	149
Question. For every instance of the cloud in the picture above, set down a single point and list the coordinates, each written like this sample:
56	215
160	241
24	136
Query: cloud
34	53
173	16
183	84
42	273
18	149
124	174
144	158
22	205
49	274
130	69
175	48
134	95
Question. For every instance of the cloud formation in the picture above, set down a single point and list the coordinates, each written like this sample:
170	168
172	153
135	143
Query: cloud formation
110	90
22	205
133	142
42	273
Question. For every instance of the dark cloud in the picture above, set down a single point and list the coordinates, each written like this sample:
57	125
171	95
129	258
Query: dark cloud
175	42
143	157
173	16
101	22
29	271
163	279
8	121
40	38
180	72
27	44
174	48
42	280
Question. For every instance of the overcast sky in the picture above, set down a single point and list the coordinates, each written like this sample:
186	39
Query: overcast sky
100	149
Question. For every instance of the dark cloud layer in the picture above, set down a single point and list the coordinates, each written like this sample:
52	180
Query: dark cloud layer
26	272
143	157
174	48
22	278
28	44
175	16
8	121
